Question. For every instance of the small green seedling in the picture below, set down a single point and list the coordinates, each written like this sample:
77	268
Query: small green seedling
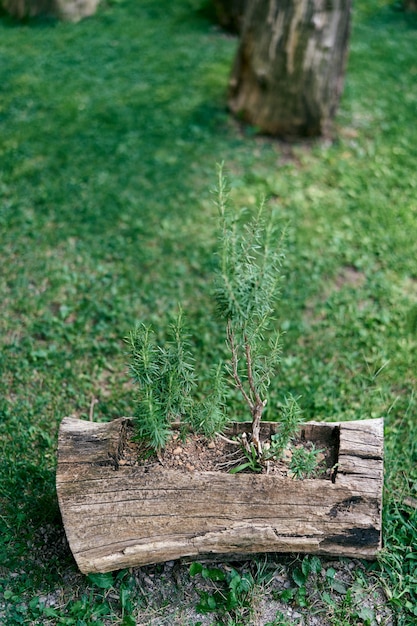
230	594
247	288
304	462
252	463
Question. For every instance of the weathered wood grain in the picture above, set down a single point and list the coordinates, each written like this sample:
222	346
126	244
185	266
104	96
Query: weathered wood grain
121	516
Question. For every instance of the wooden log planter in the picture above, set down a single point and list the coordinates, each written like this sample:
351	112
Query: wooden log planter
118	516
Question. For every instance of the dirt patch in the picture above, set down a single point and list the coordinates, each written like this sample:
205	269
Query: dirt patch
349	276
355	597
196	453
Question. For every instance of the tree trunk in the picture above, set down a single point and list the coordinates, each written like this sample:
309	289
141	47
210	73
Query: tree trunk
410	5
28	8
75	10
69	10
288	73
230	13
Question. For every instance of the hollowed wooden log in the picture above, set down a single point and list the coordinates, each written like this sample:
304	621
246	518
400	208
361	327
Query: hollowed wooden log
120	516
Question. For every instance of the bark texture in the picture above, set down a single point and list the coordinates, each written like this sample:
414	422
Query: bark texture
120	516
75	10
70	10
289	69
28	8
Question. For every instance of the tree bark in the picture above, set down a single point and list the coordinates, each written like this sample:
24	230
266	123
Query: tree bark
410	5
69	10
28	8
289	69
75	10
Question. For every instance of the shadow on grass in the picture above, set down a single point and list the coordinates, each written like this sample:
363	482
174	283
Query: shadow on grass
391	16
41	22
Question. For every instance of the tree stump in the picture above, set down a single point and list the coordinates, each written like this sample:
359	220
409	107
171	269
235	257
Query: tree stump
121	516
69	10
75	10
289	69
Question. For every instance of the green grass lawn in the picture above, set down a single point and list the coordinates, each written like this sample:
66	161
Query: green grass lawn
110	133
